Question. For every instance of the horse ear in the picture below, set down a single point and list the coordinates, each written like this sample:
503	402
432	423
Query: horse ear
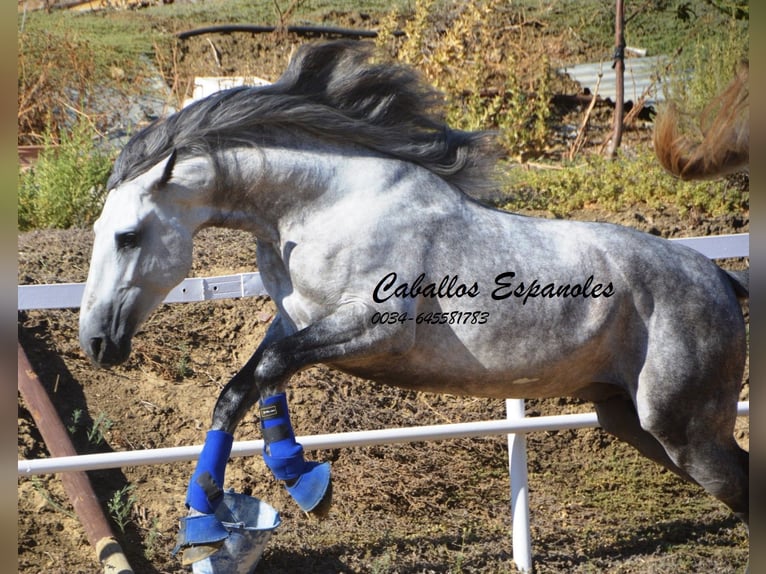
168	171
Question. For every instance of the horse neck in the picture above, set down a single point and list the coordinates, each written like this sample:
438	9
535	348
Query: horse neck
272	186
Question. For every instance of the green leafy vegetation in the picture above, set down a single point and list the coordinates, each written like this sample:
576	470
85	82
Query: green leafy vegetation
67	185
482	80
615	185
494	61
121	506
101	425
708	66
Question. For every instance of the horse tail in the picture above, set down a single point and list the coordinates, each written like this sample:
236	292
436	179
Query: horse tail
725	135
740	280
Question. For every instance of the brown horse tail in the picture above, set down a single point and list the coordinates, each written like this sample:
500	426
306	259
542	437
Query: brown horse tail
725	135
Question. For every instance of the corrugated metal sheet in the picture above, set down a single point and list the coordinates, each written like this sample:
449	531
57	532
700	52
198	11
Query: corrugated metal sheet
641	74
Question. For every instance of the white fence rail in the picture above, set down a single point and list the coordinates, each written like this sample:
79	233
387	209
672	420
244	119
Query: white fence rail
69	295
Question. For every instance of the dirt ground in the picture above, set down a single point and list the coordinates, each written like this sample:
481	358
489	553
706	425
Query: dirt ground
596	505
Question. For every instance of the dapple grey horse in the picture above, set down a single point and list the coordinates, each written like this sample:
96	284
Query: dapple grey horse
383	266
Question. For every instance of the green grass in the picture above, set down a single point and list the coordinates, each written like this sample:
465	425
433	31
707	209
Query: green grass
65	56
659	26
134	32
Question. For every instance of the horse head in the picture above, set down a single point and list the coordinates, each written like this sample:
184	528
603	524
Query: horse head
142	249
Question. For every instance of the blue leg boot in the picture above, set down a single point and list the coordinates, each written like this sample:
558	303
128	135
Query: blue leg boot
307	482
201	533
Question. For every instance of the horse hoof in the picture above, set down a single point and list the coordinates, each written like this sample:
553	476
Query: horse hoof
197	553
311	487
322	509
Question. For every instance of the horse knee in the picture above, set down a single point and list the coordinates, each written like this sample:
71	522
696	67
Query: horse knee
272	371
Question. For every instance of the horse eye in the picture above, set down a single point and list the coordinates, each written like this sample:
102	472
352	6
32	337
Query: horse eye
126	239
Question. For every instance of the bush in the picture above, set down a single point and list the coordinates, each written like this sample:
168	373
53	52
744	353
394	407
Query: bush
67	185
480	77
618	185
708	66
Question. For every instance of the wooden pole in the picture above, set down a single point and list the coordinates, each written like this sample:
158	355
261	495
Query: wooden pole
619	70
76	484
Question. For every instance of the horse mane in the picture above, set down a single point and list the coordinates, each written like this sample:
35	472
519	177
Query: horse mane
336	92
723	145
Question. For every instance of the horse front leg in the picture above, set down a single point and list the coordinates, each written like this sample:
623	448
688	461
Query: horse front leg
347	333
201	533
244	389
344	334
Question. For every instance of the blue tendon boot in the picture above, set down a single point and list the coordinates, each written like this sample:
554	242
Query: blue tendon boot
201	532
307	482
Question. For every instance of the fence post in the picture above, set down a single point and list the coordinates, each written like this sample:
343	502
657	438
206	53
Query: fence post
517	463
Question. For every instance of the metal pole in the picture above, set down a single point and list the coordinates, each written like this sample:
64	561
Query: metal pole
319	442
312	442
517	462
76	484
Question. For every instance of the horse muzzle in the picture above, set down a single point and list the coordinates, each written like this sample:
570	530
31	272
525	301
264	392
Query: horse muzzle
103	351
106	332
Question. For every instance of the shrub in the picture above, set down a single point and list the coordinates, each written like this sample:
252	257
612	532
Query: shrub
67	185
618	185
708	66
482	81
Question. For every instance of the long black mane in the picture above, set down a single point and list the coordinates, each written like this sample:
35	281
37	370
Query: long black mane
334	91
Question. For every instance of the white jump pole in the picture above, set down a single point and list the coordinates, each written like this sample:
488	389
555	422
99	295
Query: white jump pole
313	442
517	462
319	442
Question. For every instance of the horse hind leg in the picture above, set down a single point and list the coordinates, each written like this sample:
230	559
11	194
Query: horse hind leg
701	451
617	415
690	407
701	443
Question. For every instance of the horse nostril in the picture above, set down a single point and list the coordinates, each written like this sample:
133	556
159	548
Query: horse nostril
96	347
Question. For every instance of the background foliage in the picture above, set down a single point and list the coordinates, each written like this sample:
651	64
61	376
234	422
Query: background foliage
66	186
66	61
